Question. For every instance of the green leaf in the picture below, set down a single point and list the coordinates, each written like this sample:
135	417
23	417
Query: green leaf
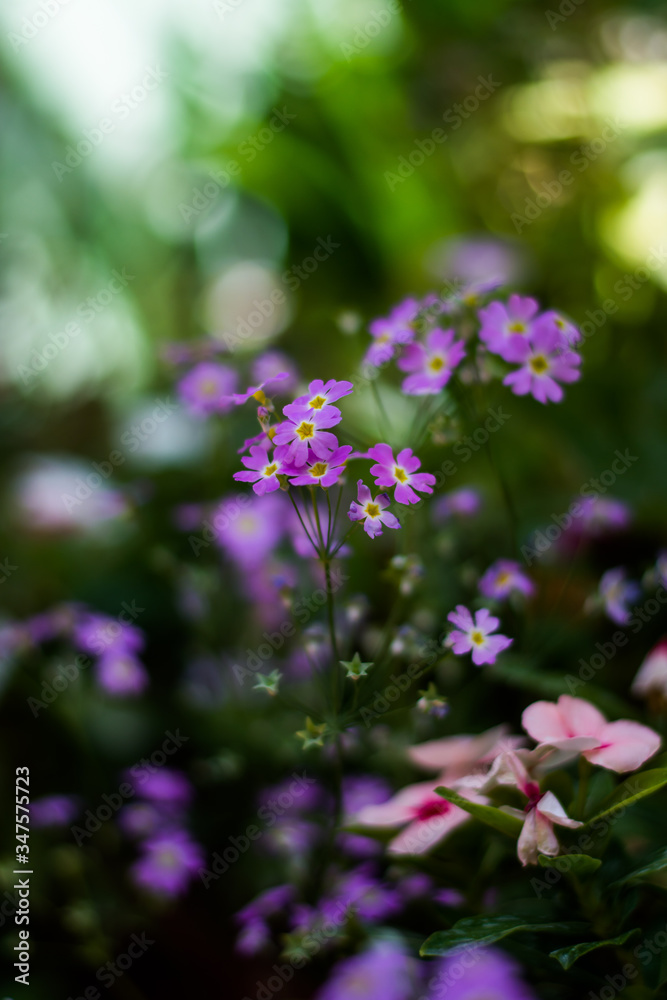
496	818
658	863
634	788
568	956
487	930
578	864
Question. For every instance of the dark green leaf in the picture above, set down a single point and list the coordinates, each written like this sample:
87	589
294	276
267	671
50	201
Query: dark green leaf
633	789
658	863
568	956
496	818
487	930
578	864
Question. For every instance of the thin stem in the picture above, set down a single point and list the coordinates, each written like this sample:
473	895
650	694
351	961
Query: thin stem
381	407
330	523
298	513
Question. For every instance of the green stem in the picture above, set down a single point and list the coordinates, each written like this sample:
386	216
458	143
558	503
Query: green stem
381	407
298	514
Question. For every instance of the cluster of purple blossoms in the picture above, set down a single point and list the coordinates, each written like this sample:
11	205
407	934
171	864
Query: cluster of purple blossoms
115	644
169	857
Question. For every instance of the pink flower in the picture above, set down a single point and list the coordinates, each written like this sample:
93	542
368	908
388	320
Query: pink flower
306	428
503	578
575	726
373	511
321	394
475	635
541	812
432	362
401	473
652	675
544	363
457	756
428	816
394	329
321	471
264	470
507	326
569	333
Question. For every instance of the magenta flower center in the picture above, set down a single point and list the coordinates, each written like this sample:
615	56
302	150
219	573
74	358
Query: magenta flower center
532	790
434	807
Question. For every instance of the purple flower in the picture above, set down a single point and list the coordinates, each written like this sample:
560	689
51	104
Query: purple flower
598	514
271	363
503	578
168	863
321	394
253	938
475	635
480	259
383	972
164	787
396	328
53	810
248	534
323	471
505	327
401	473
370	899
569	333
264	471
475	973
465	502
306	428
265	905
544	363
431	363
96	633
206	388
139	819
372	511
361	790
616	593
120	673
256	391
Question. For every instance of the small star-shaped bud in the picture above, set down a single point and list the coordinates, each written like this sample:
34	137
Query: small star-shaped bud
355	668
432	703
312	735
268	682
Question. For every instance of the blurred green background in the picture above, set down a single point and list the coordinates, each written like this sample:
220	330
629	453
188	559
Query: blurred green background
166	166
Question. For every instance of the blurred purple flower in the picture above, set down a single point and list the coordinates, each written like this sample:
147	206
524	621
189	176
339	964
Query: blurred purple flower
168	863
54	810
503	578
139	819
96	633
371	899
163	787
203	390
120	673
388	332
616	593
249	537
271	363
475	973
383	972
465	502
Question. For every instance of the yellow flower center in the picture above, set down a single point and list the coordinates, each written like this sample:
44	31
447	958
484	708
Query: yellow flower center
400	474
372	509
260	397
382	339
517	327
208	387
435	364
305	430
318	469
539	364
477	638
317	403
502	578
270	469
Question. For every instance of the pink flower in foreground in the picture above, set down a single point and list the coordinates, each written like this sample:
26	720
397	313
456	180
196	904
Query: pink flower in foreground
456	756
652	675
431	363
307	428
503	578
401	473
506	326
263	471
373	511
321	471
428	816
541	811
574	725
544	363
321	394
474	635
